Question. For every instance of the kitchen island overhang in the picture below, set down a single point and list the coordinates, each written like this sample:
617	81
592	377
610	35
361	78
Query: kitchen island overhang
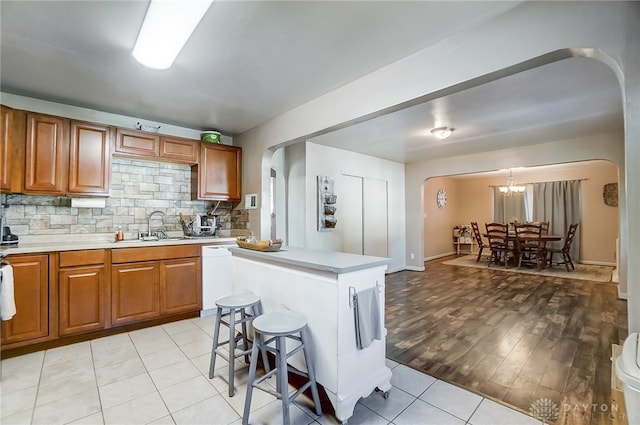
320	286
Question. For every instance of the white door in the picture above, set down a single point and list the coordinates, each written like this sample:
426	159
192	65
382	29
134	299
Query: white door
364	216
374	200
351	206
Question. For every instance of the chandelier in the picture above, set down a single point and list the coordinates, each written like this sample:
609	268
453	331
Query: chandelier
511	186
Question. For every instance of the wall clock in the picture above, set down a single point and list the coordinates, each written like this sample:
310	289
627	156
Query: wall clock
441	199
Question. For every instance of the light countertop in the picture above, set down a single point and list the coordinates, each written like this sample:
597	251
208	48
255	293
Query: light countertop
329	261
102	242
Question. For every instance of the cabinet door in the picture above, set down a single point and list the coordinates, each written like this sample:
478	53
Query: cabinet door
137	143
82	299
182	150
31	292
5	148
219	172
46	155
134	292
89	159
180	286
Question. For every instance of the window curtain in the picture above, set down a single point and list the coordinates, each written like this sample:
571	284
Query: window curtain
508	207
559	203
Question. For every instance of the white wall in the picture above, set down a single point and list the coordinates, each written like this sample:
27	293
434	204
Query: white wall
296	187
607	31
99	117
471	199
325	161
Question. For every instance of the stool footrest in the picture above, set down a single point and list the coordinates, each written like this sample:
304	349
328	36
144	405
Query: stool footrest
292	396
237	339
300	391
237	353
295	350
265	376
268	390
297	372
237	321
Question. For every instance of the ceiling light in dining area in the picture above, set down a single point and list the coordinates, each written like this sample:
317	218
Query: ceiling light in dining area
166	28
511	186
442	132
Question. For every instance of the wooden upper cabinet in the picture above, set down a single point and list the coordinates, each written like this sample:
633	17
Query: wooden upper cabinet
218	175
46	154
144	145
89	159
5	148
182	150
137	143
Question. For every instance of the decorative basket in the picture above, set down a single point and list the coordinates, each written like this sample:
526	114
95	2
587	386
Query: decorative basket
264	246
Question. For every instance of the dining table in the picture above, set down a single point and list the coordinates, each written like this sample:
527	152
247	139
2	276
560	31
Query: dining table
513	246
511	237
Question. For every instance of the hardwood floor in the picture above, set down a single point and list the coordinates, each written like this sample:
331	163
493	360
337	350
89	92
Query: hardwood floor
512	337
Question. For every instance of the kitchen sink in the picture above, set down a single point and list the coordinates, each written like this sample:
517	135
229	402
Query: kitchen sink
152	239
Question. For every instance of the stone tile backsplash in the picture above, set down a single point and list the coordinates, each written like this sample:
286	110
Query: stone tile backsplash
137	189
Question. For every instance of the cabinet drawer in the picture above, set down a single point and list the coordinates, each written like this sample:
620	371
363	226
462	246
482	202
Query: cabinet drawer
82	258
131	255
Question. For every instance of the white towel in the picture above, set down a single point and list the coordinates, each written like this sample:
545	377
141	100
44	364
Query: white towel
7	301
367	317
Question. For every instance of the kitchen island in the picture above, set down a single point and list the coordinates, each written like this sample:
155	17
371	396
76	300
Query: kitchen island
319	285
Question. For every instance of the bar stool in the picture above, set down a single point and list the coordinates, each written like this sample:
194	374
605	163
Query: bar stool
230	307
280	326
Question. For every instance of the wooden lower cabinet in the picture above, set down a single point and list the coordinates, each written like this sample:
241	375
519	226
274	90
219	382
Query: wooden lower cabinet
70	293
82	299
82	291
31	291
180	286
135	292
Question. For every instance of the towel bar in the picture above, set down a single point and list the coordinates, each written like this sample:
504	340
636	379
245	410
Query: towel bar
352	294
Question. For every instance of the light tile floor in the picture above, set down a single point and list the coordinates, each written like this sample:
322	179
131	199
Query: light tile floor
159	376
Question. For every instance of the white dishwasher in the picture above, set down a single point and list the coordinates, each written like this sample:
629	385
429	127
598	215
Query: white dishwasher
216	276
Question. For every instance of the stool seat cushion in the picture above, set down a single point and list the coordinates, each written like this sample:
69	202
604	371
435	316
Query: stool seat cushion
279	323
237	301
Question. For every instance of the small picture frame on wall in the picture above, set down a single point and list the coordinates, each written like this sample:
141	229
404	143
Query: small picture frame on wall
251	201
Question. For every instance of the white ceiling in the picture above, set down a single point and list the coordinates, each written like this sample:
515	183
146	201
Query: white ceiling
573	98
250	61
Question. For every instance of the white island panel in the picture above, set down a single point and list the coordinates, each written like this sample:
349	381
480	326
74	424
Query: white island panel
323	298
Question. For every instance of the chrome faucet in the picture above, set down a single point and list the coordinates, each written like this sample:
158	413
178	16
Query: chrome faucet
149	221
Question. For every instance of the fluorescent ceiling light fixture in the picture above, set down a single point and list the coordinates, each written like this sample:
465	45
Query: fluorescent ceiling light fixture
167	26
442	132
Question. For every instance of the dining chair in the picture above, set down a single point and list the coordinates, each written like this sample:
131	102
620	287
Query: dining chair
530	248
545	227
498	237
478	236
565	250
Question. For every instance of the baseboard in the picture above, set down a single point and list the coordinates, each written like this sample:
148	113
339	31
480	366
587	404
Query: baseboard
597	263
415	268
395	269
622	295
435	257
